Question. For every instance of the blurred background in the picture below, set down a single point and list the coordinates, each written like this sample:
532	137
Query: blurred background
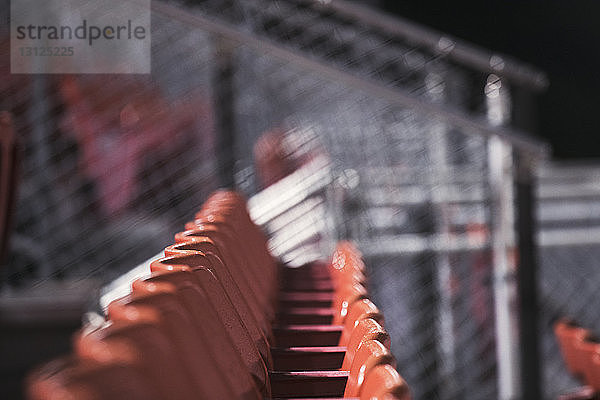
556	36
455	143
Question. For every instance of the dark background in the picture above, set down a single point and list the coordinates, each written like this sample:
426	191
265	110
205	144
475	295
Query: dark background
560	37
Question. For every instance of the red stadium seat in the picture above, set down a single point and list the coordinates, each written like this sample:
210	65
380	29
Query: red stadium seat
358	311
384	383
370	354
195	353
230	317
203	251
132	338
344	297
237	356
71	378
588	357
238	265
367	329
568	335
347	267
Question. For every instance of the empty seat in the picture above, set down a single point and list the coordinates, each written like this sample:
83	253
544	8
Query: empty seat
343	298
228	209
240	225
384	383
132	338
346	265
366	329
195	354
588	357
230	317
238	265
203	251
71	378
359	310
330	357
237	356
568	336
370	354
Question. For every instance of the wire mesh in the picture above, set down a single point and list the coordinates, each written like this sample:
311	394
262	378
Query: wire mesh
114	165
568	258
385	153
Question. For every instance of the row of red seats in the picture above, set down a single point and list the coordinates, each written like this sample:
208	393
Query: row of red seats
218	318
581	353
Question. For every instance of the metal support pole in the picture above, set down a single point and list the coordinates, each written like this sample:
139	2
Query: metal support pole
438	178
527	279
500	166
223	92
502	241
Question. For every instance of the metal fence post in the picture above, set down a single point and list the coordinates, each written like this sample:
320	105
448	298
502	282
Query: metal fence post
500	165
224	109
527	278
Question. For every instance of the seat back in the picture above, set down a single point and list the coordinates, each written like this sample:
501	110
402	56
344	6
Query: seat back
233	284
239	366
194	354
370	354
367	329
384	383
568	336
233	204
237	264
359	310
343	298
347	265
252	252
148	349
588	356
256	347
71	378
237	219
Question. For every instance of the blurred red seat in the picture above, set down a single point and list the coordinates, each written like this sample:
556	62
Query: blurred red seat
384	383
568	335
71	378
205	249
359	310
244	339
237	356
132	338
343	298
238	264
193	350
370	354
588	357
366	329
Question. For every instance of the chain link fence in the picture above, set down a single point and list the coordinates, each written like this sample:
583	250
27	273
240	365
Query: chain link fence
111	164
420	157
